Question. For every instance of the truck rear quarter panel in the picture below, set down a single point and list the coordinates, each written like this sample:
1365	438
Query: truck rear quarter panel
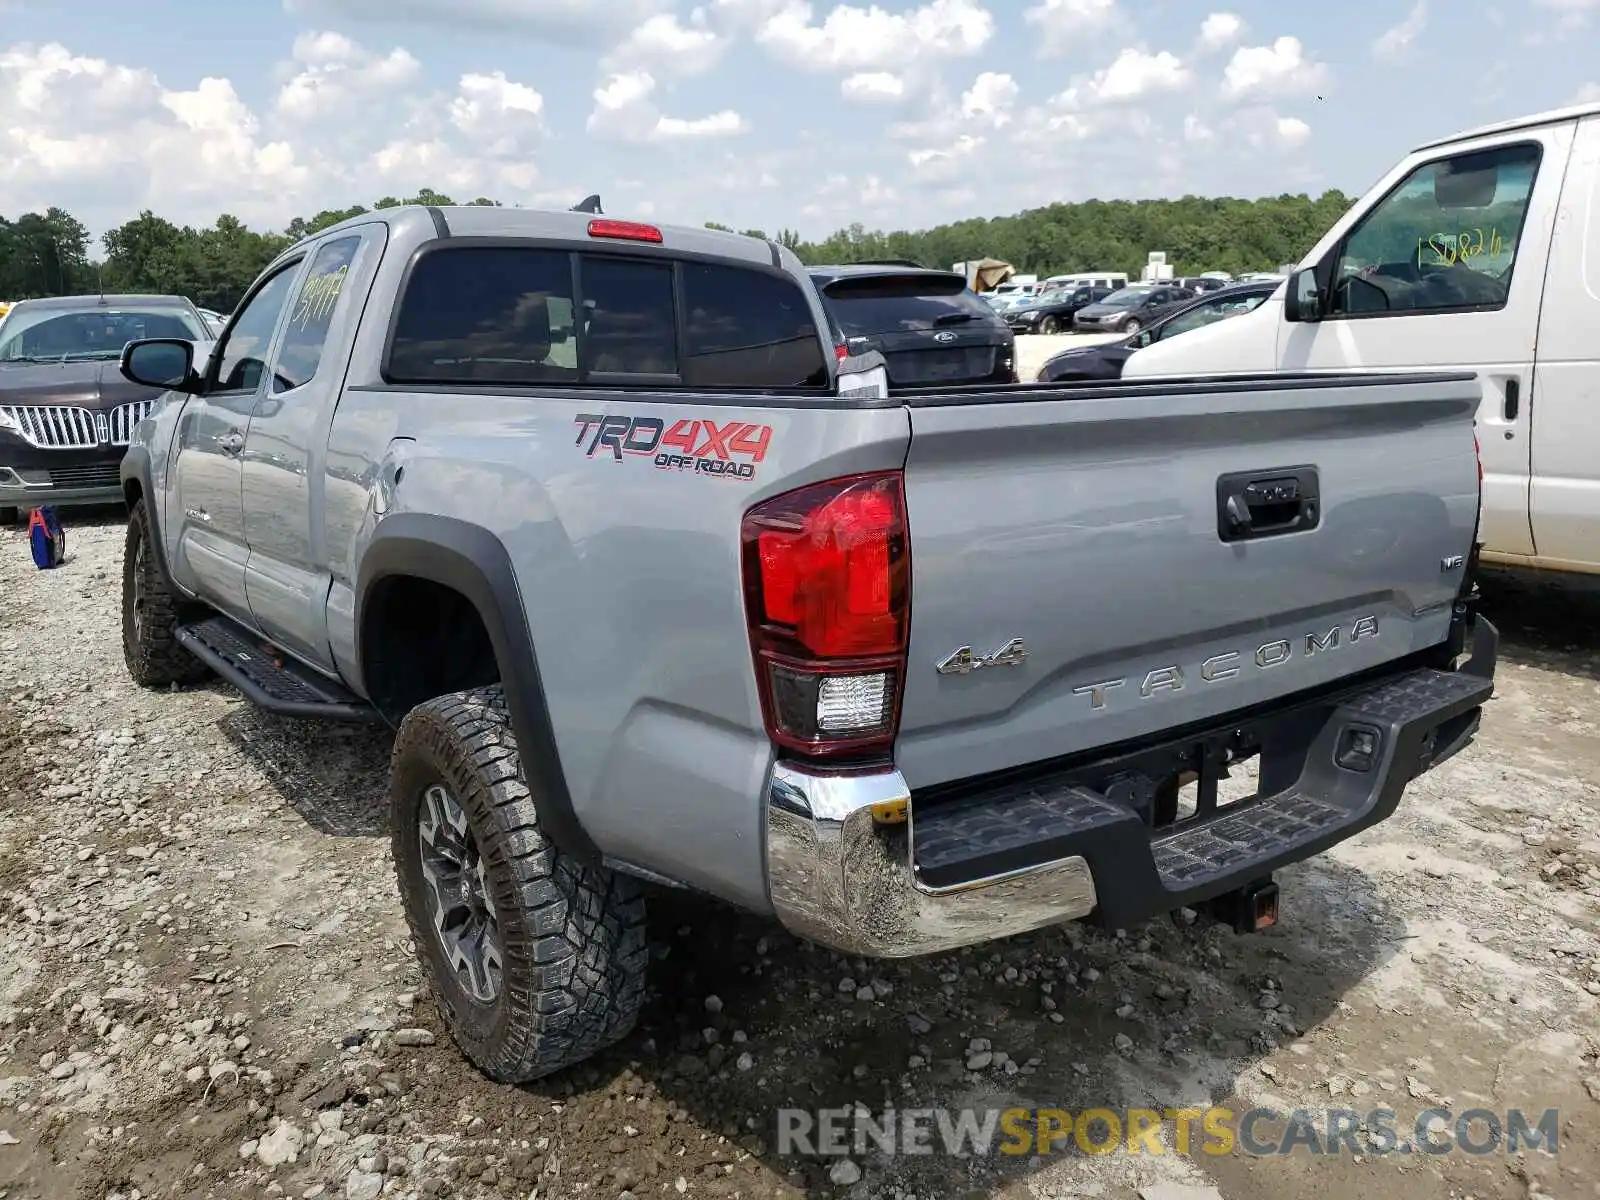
630	575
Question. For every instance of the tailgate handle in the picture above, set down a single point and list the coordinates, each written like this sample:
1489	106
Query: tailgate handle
1259	504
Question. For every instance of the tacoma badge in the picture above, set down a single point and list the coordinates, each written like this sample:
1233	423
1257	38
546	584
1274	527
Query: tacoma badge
964	661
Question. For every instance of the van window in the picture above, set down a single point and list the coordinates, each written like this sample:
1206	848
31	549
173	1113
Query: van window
1445	239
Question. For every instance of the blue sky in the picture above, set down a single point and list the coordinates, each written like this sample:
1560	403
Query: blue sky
769	113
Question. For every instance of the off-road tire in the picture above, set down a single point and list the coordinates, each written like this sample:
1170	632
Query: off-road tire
1050	325
572	937
153	655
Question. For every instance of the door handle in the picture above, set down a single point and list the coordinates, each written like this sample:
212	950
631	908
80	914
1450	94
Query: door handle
1512	395
1259	504
231	442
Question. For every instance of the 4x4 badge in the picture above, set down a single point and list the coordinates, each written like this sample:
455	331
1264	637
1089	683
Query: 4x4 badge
964	661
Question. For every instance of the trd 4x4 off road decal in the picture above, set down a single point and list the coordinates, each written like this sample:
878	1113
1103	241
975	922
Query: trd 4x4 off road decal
730	449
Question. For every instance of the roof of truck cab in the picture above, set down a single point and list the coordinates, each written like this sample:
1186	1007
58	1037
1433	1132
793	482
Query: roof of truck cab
481	220
1571	112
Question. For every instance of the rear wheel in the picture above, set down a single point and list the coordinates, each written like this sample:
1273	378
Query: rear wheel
1050	325
1131	325
538	960
9	516
150	613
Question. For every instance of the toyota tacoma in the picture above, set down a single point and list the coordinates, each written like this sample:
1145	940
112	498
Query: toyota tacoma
584	509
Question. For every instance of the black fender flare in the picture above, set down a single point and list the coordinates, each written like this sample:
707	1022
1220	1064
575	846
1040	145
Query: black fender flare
474	562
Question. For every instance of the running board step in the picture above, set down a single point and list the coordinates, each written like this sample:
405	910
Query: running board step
269	678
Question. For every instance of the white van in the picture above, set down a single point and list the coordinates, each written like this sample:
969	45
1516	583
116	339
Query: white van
1478	252
1092	279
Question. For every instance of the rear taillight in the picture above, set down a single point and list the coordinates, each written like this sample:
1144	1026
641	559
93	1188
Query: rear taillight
827	578
841	352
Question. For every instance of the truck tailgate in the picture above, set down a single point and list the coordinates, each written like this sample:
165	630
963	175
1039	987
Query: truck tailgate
1164	554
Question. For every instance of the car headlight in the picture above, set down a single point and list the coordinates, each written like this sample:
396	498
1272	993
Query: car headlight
7	421
1029	317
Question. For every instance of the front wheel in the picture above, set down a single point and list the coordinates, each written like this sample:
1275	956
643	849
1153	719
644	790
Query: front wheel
1130	326
150	612
538	960
1050	325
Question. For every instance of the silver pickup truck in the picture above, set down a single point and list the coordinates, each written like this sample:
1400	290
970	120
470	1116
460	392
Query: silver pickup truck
584	508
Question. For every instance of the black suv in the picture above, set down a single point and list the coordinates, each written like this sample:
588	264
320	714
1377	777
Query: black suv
931	328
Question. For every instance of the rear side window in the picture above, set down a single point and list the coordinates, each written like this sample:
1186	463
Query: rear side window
745	326
508	315
312	315
891	303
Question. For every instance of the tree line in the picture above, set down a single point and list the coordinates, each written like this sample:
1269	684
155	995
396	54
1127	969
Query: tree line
50	253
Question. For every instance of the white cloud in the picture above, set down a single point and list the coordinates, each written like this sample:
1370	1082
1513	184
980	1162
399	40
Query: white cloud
1394	44
664	44
1281	69
104	140
1135	74
1219	30
625	111
991	98
1292	131
944	163
851	38
1065	25
873	87
329	74
1196	130
574	22
1589	93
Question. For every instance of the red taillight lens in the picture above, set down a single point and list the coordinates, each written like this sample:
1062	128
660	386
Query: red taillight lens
841	352
627	231
828	598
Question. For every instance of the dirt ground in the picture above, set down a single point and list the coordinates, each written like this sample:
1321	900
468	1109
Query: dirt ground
206	991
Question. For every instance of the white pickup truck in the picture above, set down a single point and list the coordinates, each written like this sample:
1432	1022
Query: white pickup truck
1475	252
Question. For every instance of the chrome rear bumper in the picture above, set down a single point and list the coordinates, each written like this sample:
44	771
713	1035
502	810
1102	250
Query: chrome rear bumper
840	878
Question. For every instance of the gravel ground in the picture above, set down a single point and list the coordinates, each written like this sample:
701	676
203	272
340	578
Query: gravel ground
206	989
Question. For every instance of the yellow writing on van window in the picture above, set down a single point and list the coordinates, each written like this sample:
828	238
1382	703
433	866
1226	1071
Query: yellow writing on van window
318	297
1448	249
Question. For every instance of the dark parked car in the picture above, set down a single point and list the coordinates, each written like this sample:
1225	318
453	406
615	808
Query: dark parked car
1131	309
66	412
1199	283
1053	311
930	327
1104	361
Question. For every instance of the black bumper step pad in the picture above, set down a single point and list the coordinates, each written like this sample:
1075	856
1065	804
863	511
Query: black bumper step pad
1419	718
268	677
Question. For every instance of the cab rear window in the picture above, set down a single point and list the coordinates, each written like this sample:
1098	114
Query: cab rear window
532	316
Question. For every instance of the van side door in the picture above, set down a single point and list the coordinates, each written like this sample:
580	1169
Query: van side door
1446	272
285	448
1566	379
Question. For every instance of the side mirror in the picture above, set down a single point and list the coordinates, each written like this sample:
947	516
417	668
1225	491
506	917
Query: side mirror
1143	340
166	363
1302	299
